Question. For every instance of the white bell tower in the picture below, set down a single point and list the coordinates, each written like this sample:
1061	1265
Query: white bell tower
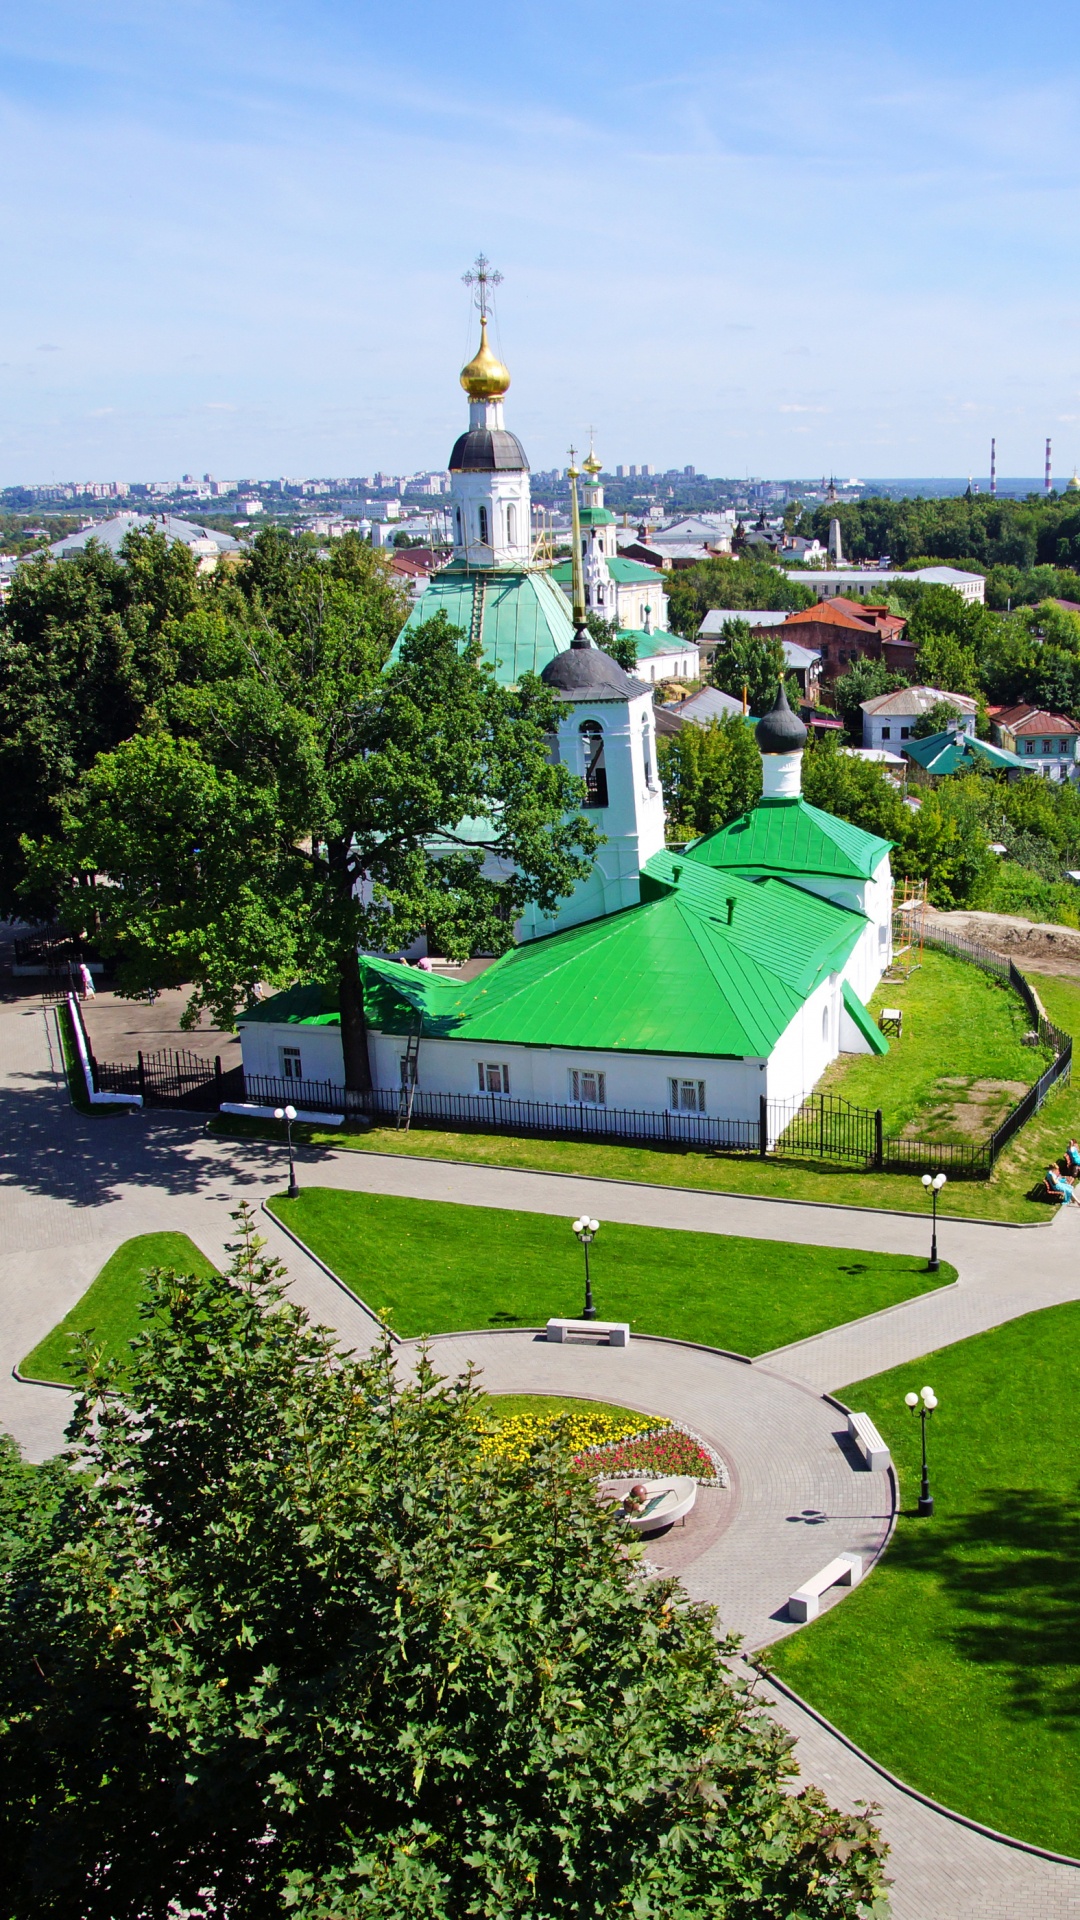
606	734
490	504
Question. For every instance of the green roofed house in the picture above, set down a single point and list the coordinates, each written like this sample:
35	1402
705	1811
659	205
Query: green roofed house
733	971
953	752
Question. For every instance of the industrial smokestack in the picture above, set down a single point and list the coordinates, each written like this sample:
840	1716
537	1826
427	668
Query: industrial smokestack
1049	481
993	467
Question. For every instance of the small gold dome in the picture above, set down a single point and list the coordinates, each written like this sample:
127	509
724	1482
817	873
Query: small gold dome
1074	483
485	378
592	464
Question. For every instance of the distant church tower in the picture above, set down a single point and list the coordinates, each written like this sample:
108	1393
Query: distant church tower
607	734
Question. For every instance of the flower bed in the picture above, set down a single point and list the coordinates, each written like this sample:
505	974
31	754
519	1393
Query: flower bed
666	1449
514	1438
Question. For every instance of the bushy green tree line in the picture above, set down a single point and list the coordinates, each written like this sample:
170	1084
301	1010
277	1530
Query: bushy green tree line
289	1640
981	531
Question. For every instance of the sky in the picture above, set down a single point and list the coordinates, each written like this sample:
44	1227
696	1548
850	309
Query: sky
764	239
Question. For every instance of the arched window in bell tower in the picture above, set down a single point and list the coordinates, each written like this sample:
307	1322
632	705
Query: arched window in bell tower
511	525
592	740
457	523
646	752
484	527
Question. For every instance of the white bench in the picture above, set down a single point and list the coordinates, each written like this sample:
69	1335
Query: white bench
869	1442
845	1571
616	1331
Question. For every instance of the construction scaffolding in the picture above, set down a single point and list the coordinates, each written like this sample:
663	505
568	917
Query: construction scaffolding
908	924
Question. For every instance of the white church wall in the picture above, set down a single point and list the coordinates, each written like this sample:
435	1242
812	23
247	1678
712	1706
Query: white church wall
807	1045
263	1044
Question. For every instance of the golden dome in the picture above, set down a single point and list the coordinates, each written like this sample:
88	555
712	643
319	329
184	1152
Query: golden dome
592	464
485	378
1074	483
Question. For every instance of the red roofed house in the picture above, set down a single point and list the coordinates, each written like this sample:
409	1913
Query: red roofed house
843	631
1045	742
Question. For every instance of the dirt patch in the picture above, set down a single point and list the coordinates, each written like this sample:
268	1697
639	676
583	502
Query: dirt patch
1047	947
972	1116
119	1028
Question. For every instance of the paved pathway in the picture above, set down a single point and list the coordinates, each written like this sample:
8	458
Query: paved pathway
73	1187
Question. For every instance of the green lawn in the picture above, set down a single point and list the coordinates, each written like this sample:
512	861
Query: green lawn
958	1663
109	1309
428	1266
507	1406
962	1033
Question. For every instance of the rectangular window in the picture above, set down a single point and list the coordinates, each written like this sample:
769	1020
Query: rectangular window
886	733
905	733
687	1096
290	1064
1029	746
588	1088
493	1076
1048	746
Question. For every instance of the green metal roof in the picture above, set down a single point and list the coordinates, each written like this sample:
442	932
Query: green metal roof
673	975
871	1033
623	572
950	752
521	615
299	1006
596	517
792	837
650	643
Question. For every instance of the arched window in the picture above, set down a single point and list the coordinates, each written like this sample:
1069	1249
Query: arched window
482	516
646	752
825	1025
511	524
457	523
592	740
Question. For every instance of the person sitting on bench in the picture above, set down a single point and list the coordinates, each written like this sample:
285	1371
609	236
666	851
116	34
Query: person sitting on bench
1057	1183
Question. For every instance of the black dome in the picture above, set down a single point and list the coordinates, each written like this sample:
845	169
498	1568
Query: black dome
483	450
780	730
584	669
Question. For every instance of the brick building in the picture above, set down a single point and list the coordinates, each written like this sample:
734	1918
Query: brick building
843	631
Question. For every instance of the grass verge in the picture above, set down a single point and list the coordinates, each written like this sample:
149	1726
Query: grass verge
429	1266
109	1309
958	1664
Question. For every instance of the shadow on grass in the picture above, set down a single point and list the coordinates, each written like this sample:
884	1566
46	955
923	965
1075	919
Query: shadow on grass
1011	1566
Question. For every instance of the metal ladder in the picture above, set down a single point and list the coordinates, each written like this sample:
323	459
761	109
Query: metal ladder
476	624
409	1069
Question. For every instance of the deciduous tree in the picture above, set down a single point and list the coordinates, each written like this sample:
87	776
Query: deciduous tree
292	1642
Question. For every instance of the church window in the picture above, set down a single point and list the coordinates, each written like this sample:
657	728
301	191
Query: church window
588	1088
646	752
457	522
687	1096
483	526
596	787
825	1025
588	596
511	524
493	1075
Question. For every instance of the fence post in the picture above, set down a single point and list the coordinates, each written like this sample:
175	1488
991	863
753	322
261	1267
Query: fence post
763	1125
217	1078
879	1140
142	1077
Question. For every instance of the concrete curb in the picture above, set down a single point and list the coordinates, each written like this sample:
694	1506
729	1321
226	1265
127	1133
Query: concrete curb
913	1793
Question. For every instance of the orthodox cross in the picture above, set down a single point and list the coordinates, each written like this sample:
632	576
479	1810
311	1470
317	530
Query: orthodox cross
482	275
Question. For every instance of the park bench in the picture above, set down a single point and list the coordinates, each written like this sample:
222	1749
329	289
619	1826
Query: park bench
845	1571
891	1020
869	1442
616	1331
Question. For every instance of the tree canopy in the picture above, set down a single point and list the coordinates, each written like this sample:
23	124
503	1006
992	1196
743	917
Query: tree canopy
709	774
744	662
294	798
750	582
294	1639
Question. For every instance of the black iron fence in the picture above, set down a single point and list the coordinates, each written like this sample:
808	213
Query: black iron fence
171	1077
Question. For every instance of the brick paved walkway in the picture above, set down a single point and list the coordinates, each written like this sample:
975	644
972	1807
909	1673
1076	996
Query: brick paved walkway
73	1187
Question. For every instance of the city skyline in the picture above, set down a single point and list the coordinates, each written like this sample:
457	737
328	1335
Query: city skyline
235	242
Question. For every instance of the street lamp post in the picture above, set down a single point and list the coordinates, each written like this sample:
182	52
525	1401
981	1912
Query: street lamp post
288	1114
933	1188
923	1404
587	1231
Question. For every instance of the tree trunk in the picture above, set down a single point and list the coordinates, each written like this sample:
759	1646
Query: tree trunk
354	1041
